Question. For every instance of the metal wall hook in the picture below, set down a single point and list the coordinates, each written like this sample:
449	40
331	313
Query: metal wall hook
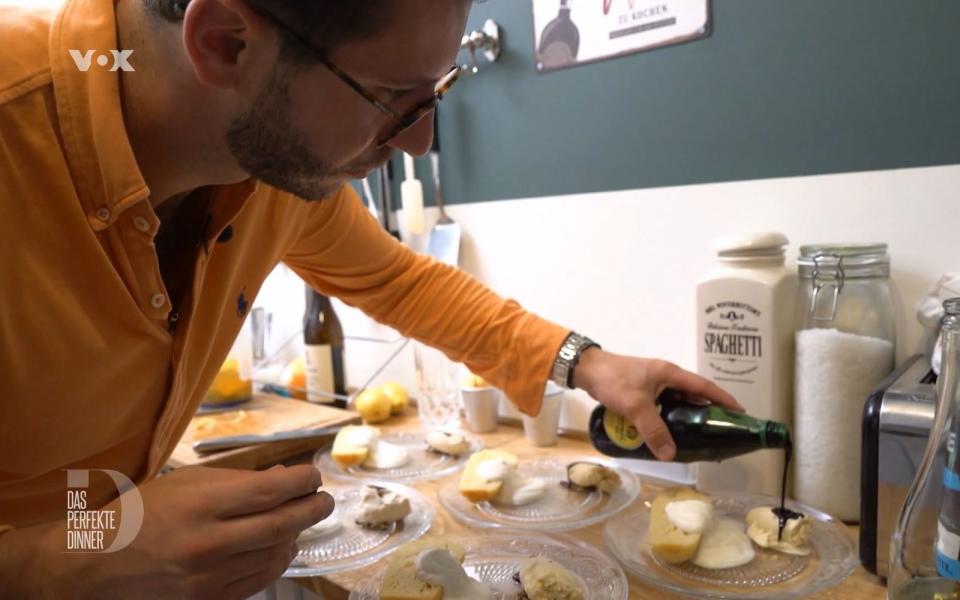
486	40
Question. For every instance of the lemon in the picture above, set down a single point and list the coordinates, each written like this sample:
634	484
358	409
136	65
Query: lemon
228	385
295	378
399	399
373	405
475	381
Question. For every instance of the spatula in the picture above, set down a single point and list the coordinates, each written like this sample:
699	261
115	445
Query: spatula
444	242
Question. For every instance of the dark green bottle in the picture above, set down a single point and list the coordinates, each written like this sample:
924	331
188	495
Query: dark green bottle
700	432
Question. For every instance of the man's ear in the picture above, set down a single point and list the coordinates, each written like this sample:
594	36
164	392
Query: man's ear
228	44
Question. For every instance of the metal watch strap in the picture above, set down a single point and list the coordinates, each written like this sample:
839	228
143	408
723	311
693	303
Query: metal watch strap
568	356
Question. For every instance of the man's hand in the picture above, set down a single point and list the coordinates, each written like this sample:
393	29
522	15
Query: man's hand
207	533
629	386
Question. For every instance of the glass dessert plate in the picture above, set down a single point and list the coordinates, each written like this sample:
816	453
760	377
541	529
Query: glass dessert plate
351	546
770	575
494	558
559	509
423	464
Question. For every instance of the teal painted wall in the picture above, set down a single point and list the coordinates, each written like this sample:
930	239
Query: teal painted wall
780	88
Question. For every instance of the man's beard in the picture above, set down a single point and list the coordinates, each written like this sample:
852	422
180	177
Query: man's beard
267	146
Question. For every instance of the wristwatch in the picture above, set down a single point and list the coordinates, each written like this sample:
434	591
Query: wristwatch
567	358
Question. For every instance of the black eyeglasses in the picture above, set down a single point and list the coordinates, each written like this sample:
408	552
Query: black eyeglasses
401	121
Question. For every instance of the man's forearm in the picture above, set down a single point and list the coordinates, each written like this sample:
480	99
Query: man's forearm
343	252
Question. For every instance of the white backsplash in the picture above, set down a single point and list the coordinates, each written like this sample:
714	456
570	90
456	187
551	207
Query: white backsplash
622	266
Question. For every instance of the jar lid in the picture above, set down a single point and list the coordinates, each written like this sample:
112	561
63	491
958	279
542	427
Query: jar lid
854	260
767	244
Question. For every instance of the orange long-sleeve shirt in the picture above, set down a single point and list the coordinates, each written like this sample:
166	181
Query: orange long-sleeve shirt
90	375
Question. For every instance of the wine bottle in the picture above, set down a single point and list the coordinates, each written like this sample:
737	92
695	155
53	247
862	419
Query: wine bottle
701	432
323	341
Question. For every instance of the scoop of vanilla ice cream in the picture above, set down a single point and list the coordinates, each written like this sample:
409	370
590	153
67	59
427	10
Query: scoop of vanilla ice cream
384	455
453	444
724	545
690	516
439	567
516	490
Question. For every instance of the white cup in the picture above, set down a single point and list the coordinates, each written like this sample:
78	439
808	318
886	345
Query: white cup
481	406
541	430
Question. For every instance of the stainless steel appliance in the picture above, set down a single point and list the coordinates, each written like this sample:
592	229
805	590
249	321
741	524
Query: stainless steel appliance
897	419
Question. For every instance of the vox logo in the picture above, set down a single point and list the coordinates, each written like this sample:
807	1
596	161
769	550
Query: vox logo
119	60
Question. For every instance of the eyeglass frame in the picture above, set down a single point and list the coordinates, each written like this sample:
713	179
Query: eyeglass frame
403	121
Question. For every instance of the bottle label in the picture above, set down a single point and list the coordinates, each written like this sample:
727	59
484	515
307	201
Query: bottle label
948	552
319	359
622	432
951	480
733	341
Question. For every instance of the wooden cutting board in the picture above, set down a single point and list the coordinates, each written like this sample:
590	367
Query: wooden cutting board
264	414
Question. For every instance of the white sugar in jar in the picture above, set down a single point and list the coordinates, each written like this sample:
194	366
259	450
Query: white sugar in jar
845	347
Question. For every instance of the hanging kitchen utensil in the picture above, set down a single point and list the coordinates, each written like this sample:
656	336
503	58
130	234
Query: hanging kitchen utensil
444	242
411	197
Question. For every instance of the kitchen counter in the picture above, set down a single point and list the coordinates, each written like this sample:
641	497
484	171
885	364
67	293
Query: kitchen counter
860	585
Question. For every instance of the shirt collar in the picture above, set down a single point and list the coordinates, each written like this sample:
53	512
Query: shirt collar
89	108
90	111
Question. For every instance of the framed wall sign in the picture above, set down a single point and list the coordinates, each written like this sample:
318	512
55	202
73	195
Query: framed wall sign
568	33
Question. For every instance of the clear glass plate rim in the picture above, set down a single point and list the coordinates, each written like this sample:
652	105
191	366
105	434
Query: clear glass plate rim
323	461
560	540
449	497
649	577
422	507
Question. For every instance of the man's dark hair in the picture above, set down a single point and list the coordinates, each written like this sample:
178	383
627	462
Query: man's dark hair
325	23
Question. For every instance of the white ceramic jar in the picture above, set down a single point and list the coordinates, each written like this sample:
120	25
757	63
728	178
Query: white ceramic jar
745	324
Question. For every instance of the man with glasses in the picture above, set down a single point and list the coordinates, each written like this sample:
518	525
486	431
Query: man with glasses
157	159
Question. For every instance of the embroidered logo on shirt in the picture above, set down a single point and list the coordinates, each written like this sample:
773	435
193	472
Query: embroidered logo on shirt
242	304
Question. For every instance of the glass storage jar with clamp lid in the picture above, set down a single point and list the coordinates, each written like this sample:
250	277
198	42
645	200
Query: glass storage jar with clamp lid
845	341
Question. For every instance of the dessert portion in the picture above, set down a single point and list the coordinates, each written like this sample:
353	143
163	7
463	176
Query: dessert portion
542	579
492	476
683	527
380	507
384	455
476	488
361	445
675	531
451	444
328	526
591	476
440	568
400	581
352	444
724	545
763	527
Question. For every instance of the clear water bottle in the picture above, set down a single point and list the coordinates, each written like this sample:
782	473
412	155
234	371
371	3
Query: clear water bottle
925	553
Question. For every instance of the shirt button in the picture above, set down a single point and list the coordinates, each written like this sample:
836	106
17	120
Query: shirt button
141	224
103	214
157	300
